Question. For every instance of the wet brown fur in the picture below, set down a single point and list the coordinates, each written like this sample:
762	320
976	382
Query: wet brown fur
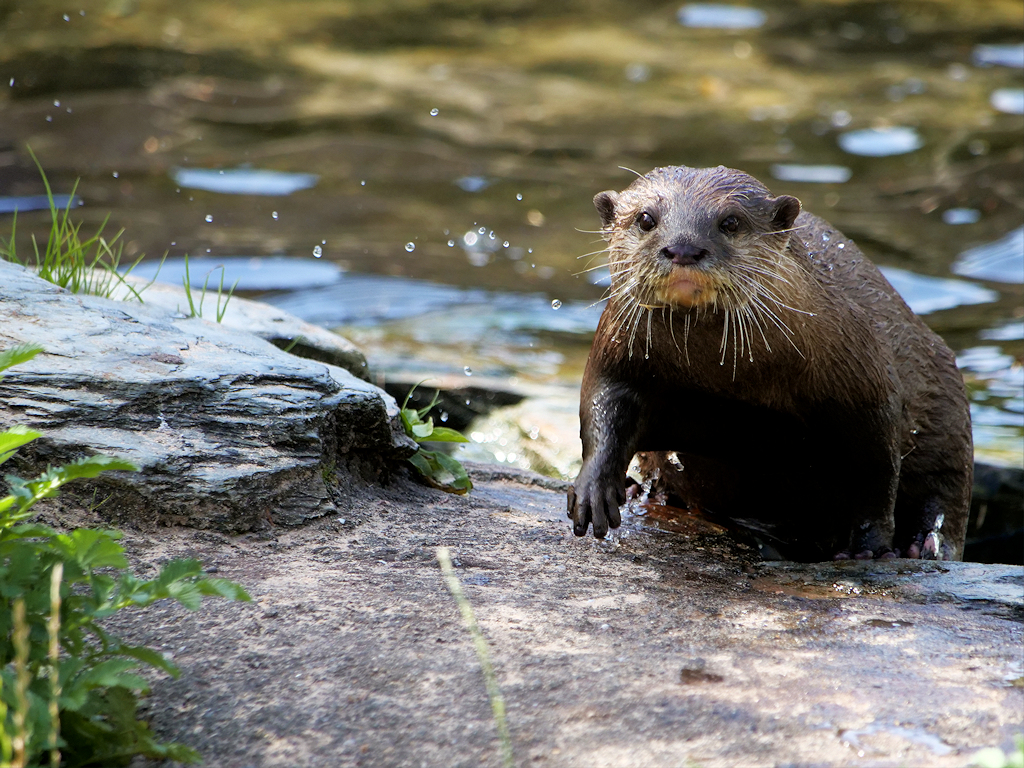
799	390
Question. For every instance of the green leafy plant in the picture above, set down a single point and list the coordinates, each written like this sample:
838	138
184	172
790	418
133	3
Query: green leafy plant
197	309
438	469
994	757
69	689
82	266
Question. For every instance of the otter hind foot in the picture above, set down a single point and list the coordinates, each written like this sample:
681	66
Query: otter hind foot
929	546
882	553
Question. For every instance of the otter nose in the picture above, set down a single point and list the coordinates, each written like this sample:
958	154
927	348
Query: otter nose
685	255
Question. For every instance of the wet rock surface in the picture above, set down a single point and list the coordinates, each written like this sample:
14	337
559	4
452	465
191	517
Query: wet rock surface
653	648
229	431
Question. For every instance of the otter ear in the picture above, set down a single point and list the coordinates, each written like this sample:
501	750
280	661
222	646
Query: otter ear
786	209
605	204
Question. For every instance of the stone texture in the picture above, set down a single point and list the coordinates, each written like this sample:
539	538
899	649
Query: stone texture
653	649
277	326
229	431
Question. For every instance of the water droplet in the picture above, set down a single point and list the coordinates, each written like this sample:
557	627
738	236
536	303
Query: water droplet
519	195
529	250
317	251
556	304
505	244
469	372
490	235
825	237
467	401
66	17
209	218
470	239
273	215
434	111
362	183
840	118
410	247
56	102
323	242
451	243
49	118
482	230
444	416
841	246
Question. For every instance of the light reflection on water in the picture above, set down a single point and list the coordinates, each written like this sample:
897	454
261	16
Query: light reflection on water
402	126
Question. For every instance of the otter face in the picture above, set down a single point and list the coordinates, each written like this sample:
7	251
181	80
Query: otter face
694	237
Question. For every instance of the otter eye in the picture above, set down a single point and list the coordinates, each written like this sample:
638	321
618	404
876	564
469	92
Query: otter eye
646	222
729	224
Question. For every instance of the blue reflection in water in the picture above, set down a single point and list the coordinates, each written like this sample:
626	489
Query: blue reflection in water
961	215
472	183
715	16
881	142
37	203
812	174
1002	261
998	55
253	273
925	295
1008	100
243	181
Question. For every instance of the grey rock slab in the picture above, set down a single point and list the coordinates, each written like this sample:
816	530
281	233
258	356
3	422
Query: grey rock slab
651	649
229	431
280	328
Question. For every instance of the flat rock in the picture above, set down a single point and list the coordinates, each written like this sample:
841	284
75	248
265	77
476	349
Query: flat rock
280	328
651	649
229	431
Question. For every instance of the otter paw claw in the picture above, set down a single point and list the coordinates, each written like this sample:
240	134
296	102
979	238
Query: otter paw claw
591	504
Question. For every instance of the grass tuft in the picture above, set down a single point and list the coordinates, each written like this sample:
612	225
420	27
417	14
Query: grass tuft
89	265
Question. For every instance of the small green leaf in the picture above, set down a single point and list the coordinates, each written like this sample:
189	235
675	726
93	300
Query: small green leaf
13	439
423	430
223	588
446	435
442	471
112	673
18	354
151	657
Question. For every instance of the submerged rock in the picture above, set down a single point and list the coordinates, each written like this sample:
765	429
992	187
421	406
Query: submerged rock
229	431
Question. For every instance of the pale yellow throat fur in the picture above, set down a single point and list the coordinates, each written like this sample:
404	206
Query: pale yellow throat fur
686	288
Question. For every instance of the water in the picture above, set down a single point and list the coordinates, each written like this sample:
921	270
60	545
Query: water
376	126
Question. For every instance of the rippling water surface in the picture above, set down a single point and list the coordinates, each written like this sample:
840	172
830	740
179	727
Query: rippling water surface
421	173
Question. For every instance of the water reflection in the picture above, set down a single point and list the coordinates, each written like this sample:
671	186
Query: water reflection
1001	261
27	203
1008	100
717	16
421	123
243	181
881	142
813	174
251	273
925	295
998	55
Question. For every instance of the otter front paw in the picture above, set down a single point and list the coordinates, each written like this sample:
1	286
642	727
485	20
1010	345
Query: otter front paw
593	501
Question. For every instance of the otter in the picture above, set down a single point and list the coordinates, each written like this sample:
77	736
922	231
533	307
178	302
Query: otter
766	370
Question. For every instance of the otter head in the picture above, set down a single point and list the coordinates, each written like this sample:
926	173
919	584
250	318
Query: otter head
684	237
